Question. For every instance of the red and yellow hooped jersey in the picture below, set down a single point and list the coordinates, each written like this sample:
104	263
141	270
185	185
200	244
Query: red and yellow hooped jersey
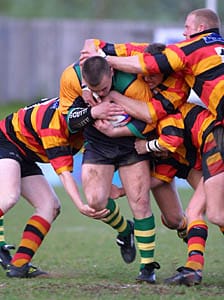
40	132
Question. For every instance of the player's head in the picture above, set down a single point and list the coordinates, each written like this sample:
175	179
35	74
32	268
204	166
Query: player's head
154	79
155	48
199	20
98	74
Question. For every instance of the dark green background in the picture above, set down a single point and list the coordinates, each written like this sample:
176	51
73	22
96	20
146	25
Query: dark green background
150	10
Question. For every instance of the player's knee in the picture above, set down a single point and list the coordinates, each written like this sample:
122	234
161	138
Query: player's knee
48	209
97	205
172	222
215	218
10	201
97	201
56	212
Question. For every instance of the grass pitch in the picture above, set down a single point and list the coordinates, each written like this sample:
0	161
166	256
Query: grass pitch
84	261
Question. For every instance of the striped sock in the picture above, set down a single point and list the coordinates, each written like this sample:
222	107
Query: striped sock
2	232
33	235
145	236
197	235
115	219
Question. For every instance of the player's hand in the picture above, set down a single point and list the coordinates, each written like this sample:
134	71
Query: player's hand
86	53
106	110
140	146
89	49
91	98
92	213
105	127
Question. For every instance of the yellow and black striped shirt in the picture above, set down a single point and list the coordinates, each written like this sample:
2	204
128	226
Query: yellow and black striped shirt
40	132
200	59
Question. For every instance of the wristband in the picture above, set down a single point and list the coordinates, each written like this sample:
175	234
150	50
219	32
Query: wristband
78	118
101	53
153	146
85	87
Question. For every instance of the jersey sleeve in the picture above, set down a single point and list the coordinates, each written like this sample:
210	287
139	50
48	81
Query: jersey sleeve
123	49
58	149
140	129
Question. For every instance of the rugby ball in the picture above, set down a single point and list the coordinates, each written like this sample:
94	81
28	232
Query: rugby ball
121	120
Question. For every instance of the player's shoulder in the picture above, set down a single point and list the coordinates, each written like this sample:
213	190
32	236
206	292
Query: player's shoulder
71	71
122	80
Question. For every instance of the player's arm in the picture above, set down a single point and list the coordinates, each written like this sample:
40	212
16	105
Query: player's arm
129	64
114	49
72	190
173	59
132	127
58	150
136	108
80	115
170	136
171	131
108	129
131	59
99	47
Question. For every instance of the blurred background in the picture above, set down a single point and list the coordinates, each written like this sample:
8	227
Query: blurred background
39	38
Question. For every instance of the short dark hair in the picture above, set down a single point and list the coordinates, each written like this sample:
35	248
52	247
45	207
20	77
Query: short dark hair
155	48
94	68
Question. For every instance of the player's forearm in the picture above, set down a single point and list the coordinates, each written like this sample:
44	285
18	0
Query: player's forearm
78	118
129	64
71	189
135	108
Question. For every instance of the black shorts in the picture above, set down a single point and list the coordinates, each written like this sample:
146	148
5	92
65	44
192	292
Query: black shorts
117	155
9	150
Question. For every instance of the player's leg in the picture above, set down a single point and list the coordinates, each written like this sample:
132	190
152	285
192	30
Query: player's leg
5	256
10	180
173	215
41	196
136	181
96	182
207	195
9	195
197	229
163	173
214	188
213	173
191	273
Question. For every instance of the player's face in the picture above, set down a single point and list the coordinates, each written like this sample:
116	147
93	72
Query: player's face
153	80
190	26
103	89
